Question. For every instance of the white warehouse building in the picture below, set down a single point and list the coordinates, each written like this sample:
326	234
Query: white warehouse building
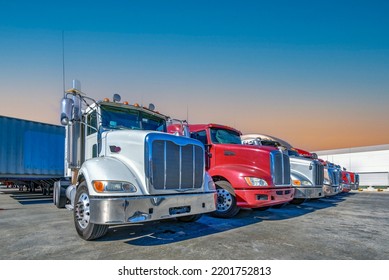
370	162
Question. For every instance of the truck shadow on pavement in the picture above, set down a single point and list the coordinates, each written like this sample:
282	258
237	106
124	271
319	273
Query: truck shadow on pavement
172	231
29	198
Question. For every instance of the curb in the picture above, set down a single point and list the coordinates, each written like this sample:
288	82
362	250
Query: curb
371	189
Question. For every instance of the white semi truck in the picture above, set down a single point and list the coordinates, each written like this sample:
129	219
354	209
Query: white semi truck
124	168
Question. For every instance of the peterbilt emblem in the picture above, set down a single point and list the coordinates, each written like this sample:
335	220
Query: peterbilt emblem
156	201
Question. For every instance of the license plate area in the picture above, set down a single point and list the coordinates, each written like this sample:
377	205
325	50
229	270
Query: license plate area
179	210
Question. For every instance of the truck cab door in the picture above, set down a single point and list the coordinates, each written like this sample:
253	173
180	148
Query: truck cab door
202	137
91	147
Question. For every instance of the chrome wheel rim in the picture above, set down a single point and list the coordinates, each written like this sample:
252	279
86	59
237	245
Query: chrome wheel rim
224	200
82	210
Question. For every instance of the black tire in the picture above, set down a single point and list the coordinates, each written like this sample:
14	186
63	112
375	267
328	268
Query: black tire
298	201
59	195
226	201
81	214
264	208
190	218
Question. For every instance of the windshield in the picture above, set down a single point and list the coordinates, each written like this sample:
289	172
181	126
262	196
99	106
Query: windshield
224	136
293	153
270	143
125	118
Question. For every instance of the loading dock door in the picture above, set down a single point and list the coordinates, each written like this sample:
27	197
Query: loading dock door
374	179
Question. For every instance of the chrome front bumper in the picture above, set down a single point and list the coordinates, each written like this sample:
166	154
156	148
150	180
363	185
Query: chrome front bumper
331	190
112	210
345	187
354	187
309	192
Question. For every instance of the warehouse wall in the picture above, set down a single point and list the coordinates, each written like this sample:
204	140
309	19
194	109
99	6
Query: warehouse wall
372	163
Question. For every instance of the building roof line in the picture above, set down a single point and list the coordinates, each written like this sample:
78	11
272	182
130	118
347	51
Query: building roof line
353	150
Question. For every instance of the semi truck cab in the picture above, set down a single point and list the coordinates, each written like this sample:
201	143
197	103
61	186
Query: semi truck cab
125	168
245	176
347	183
331	183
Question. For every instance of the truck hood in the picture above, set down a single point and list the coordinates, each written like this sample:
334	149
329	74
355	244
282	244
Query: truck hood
265	162
255	156
157	164
304	169
131	144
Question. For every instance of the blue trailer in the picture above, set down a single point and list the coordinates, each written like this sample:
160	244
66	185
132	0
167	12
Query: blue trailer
32	153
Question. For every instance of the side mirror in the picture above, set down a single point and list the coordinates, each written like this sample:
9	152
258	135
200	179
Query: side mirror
66	110
185	129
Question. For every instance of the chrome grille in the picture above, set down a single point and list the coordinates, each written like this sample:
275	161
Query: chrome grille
173	166
356	179
318	173
348	178
335	177
280	168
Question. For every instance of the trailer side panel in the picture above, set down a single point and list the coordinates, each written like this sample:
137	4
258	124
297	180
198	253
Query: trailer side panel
30	149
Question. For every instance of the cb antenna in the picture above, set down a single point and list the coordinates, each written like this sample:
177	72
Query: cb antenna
187	112
63	62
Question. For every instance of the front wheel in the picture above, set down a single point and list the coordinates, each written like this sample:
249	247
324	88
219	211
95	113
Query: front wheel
226	201
81	213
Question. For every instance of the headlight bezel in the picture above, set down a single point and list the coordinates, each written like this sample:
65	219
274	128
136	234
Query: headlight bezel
301	183
306	183
107	186
256	182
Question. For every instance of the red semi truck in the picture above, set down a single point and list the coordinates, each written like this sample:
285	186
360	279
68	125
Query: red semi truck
345	181
350	181
353	180
245	176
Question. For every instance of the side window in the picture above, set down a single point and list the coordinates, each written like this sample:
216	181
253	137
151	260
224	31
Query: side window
92	122
200	135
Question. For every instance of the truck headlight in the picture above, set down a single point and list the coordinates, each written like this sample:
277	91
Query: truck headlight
113	186
301	183
306	183
255	182
210	183
326	182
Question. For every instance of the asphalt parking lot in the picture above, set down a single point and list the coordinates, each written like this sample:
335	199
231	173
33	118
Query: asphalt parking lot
351	226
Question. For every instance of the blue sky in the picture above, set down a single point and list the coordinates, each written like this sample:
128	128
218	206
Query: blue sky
294	70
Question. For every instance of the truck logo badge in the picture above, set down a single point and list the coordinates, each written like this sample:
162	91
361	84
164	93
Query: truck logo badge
156	201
